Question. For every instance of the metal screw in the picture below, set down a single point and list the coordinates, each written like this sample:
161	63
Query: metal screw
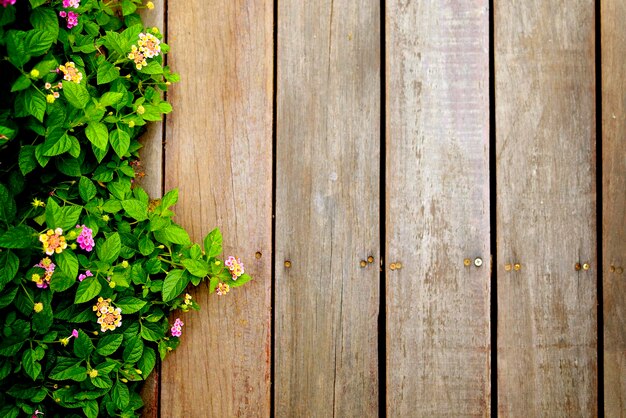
287	263
370	259
467	262
612	269
392	266
478	262
517	266
577	267
363	263
586	266
398	265
508	267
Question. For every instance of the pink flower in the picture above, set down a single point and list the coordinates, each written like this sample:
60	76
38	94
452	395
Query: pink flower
72	20
85	239
75	333
235	266
82	277
37	411
48	266
71	3
63	13
6	3
177	328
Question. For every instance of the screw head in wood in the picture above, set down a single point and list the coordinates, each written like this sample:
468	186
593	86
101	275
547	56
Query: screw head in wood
508	267
577	266
392	266
363	263
258	255
398	265
478	261
586	266
287	263
467	262
612	269
370	259
517	266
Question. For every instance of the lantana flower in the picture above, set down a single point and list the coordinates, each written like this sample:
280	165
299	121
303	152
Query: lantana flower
148	46
109	317
48	266
235	266
222	289
6	3
177	328
71	3
82	277
70	73
53	241
85	239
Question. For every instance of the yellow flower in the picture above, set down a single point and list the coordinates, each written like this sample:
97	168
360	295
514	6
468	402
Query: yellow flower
150	5
70	73
131	124
37	203
125	264
50	98
141	110
92	373
34	73
111	319
64	341
112	284
38	307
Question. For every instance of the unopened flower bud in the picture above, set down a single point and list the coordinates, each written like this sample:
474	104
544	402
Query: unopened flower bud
125	264
34	73
38	307
131	124
112	284
141	110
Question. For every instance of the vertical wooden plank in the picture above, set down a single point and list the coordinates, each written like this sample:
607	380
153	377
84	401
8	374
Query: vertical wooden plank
438	343
152	162
613	39
327	208
219	154
545	146
152	139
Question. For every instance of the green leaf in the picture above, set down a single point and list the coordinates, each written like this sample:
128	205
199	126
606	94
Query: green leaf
6	297
83	345
153	67
107	72
16	47
30	363
21	236
109	250
35	103
9	264
151	331
68	368
9	411
146	246
147	362
88	289
69	216
120	142
86	189
21	83
110	98
136	209
128	7
241	280
198	268
39	41
175	283
102	382
98	134
172	234
120	395
213	243
45	19
169	199
133	350
62	281
67	262
76	94
109	344
36	3
57	143
8	209
53	214
91	408
29	393
26	159
130	305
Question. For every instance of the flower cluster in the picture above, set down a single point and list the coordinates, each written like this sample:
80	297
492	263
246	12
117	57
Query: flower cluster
222	289
235	266
109	317
85	239
51	96
70	17
177	328
82	277
70	73
48	266
53	241
6	3
148	46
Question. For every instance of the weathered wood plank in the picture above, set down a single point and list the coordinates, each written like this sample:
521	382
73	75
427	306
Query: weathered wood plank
219	154
152	162
613	39
546	220
327	208
438	343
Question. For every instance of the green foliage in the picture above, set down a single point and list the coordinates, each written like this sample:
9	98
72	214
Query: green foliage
84	323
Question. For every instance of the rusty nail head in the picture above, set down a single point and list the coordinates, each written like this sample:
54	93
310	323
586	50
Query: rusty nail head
586	266
478	262
370	259
517	266
258	255
363	263
287	263
508	267
577	266
467	262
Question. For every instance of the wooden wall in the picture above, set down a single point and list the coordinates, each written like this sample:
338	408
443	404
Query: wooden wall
430	195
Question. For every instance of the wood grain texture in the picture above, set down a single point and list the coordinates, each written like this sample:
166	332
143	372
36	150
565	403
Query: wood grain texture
613	39
437	197
546	208
152	139
327	208
219	154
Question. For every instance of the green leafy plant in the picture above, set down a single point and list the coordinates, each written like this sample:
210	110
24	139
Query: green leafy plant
90	266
